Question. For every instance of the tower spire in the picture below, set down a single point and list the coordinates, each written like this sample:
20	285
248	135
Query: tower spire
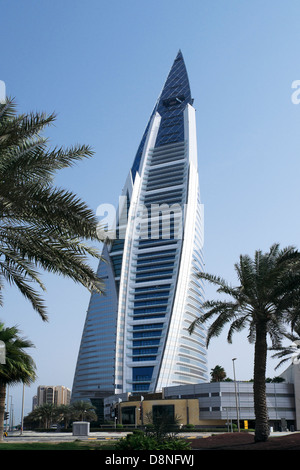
173	99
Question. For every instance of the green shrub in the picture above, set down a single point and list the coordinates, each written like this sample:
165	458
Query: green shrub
141	441
174	444
136	441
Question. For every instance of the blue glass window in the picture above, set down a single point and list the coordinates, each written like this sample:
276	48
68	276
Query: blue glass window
140	387
143	358
142	373
146	342
140	351
147	334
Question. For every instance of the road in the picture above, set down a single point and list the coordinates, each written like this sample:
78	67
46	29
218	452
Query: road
31	436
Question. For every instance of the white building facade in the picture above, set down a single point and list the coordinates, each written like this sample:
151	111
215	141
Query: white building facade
136	337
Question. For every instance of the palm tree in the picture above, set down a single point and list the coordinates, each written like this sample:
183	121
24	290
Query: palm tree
19	366
291	352
46	414
84	411
218	374
263	301
41	226
65	414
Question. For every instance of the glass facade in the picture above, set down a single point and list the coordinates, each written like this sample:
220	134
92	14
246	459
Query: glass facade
94	374
136	337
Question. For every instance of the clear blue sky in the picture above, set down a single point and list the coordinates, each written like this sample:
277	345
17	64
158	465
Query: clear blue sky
100	65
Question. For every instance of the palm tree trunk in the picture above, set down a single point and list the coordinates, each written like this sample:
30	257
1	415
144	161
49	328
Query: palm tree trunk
262	429
2	408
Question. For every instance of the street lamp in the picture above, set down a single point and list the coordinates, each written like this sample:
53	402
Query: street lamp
22	412
11	414
236	396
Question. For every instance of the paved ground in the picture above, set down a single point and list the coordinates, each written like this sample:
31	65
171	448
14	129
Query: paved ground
245	441
31	436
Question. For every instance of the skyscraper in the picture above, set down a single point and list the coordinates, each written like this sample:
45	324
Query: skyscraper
136	338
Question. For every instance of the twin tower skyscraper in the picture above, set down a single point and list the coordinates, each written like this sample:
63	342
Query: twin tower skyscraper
135	338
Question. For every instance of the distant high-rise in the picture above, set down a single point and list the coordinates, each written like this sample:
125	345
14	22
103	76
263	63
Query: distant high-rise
53	394
136	338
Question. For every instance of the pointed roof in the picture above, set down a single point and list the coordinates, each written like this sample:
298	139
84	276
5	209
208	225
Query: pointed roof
176	87
175	96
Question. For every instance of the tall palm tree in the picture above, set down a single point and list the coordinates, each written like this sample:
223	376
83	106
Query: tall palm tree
41	226
19	366
263	301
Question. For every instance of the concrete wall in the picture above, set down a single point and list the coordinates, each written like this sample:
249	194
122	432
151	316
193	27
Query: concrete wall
292	375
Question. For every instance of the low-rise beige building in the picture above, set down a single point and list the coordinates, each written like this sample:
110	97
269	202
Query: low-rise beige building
211	404
184	410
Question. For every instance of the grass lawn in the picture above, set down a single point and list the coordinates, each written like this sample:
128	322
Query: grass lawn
75	445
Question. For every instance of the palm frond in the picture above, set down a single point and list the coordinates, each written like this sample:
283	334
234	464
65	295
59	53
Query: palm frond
41	226
19	366
236	326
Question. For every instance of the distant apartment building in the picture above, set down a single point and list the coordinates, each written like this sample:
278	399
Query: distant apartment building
56	395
